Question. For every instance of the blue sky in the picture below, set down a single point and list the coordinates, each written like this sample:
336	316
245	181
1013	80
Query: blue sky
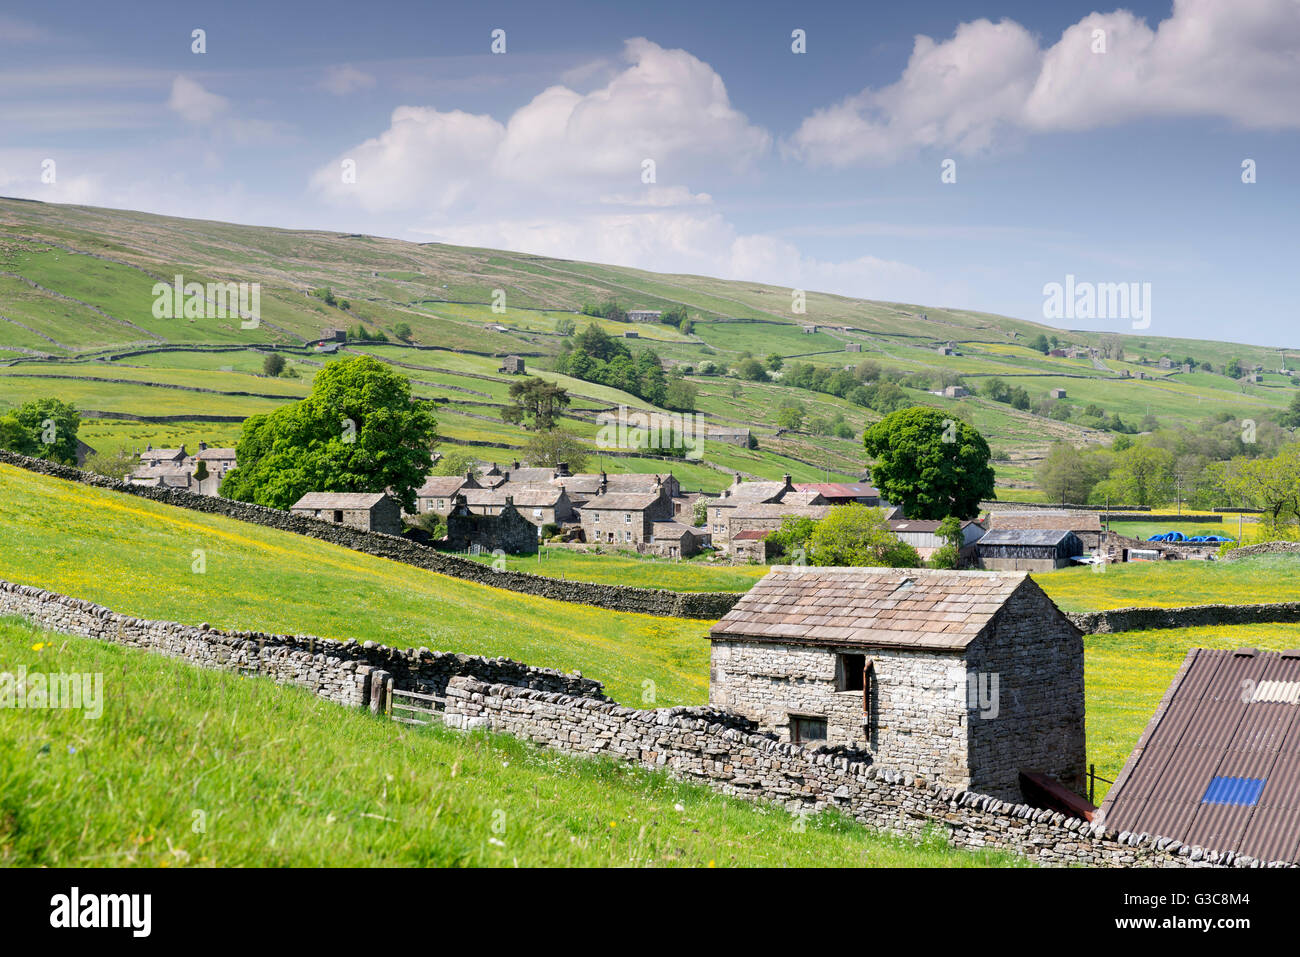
818	170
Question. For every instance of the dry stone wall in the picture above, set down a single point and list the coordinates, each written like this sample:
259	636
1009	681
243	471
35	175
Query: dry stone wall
689	744
339	671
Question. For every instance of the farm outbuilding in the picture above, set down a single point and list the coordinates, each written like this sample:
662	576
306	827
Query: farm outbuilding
368	511
1085	524
1057	393
966	678
1218	766
514	365
1030	550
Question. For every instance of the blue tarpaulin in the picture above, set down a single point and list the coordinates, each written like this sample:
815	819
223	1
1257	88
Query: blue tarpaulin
1190	539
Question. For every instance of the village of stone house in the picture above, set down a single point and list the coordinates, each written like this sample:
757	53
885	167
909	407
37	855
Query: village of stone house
655	502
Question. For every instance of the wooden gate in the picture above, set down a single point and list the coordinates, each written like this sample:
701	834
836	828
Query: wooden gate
413	707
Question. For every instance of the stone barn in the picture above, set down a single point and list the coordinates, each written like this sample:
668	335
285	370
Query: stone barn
368	511
514	365
967	678
1029	550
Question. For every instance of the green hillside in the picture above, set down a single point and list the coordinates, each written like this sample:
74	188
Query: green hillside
76	296
194	768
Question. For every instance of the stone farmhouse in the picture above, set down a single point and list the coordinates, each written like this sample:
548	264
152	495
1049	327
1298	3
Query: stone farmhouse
768	516
740	437
367	511
1031	550
438	492
174	468
972	679
626	518
743	493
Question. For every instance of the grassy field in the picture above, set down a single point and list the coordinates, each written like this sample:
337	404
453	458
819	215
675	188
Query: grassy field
61	536
638	571
188	767
137	557
1261	578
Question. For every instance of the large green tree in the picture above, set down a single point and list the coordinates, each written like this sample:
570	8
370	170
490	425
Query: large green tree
932	465
358	430
43	428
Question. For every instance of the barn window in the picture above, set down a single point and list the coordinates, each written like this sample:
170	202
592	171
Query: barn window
807	730
851	673
338	516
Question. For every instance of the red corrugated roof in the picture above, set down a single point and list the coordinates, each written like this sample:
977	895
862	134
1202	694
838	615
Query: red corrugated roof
1214	723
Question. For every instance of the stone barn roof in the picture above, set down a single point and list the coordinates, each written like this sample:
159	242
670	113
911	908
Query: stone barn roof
345	500
915	608
1025	536
1075	520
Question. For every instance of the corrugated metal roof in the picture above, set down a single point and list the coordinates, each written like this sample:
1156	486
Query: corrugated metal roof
1024	536
1219	764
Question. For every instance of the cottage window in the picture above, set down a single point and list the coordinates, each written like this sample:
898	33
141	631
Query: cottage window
807	730
851	673
627	517
595	518
627	536
537	513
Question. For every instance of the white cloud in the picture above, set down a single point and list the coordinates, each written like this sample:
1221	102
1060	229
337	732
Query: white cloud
1235	61
345	79
194	103
666	106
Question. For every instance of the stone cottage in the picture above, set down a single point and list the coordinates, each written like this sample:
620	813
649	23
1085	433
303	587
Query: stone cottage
967	678
368	511
626	518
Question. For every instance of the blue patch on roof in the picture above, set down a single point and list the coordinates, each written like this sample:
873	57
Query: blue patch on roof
1242	792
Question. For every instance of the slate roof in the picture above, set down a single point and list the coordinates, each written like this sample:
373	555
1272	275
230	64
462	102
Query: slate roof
921	609
779	510
623	501
749	493
441	486
1046	519
834	490
340	500
673	530
1219	764
528	497
211	454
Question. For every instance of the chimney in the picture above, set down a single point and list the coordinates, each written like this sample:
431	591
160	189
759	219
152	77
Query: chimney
561	469
514	465
510	501
604	481
786	479
203	446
